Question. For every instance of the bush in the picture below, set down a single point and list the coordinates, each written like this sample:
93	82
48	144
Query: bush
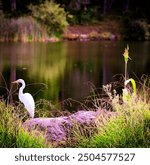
51	16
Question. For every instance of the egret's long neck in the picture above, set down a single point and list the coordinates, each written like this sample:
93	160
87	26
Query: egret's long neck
21	89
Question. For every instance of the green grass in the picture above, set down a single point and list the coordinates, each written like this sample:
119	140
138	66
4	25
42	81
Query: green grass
13	135
124	132
131	128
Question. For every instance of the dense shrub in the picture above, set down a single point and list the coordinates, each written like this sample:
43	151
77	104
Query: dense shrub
51	16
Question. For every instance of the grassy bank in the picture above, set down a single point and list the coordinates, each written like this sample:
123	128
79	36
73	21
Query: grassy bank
130	128
13	135
27	29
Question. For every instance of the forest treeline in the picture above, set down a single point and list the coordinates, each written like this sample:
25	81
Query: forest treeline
55	15
137	7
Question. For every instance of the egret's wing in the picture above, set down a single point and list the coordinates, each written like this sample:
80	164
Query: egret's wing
29	103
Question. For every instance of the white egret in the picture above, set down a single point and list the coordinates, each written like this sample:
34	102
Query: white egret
26	98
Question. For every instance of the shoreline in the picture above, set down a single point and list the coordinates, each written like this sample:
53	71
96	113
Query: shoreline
26	29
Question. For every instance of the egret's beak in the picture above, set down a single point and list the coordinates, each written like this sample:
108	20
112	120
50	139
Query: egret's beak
14	82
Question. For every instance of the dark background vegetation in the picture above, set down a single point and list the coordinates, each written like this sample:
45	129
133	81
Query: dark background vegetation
139	9
134	14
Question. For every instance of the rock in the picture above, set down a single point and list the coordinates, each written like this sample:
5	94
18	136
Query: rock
54	127
83	37
70	36
57	129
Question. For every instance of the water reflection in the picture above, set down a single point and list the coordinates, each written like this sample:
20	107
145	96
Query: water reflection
68	68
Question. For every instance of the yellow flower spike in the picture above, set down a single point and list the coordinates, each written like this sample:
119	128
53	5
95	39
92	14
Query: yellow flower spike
126	54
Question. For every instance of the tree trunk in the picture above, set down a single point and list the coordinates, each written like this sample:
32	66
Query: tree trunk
13	5
0	4
126	9
107	6
105	9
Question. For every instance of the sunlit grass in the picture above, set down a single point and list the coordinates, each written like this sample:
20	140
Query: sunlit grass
130	128
12	133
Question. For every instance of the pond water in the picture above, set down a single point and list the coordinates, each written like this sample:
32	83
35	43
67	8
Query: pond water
57	71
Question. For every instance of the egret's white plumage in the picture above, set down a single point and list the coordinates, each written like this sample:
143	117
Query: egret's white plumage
26	98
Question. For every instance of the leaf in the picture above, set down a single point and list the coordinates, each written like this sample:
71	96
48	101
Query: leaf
132	82
126	94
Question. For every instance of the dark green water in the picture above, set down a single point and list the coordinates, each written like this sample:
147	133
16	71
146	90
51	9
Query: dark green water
68	68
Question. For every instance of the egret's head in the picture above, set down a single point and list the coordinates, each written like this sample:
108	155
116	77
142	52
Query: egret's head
19	81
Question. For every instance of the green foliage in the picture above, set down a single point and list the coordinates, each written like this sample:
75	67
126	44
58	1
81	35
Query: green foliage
73	19
12	134
84	16
51	16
